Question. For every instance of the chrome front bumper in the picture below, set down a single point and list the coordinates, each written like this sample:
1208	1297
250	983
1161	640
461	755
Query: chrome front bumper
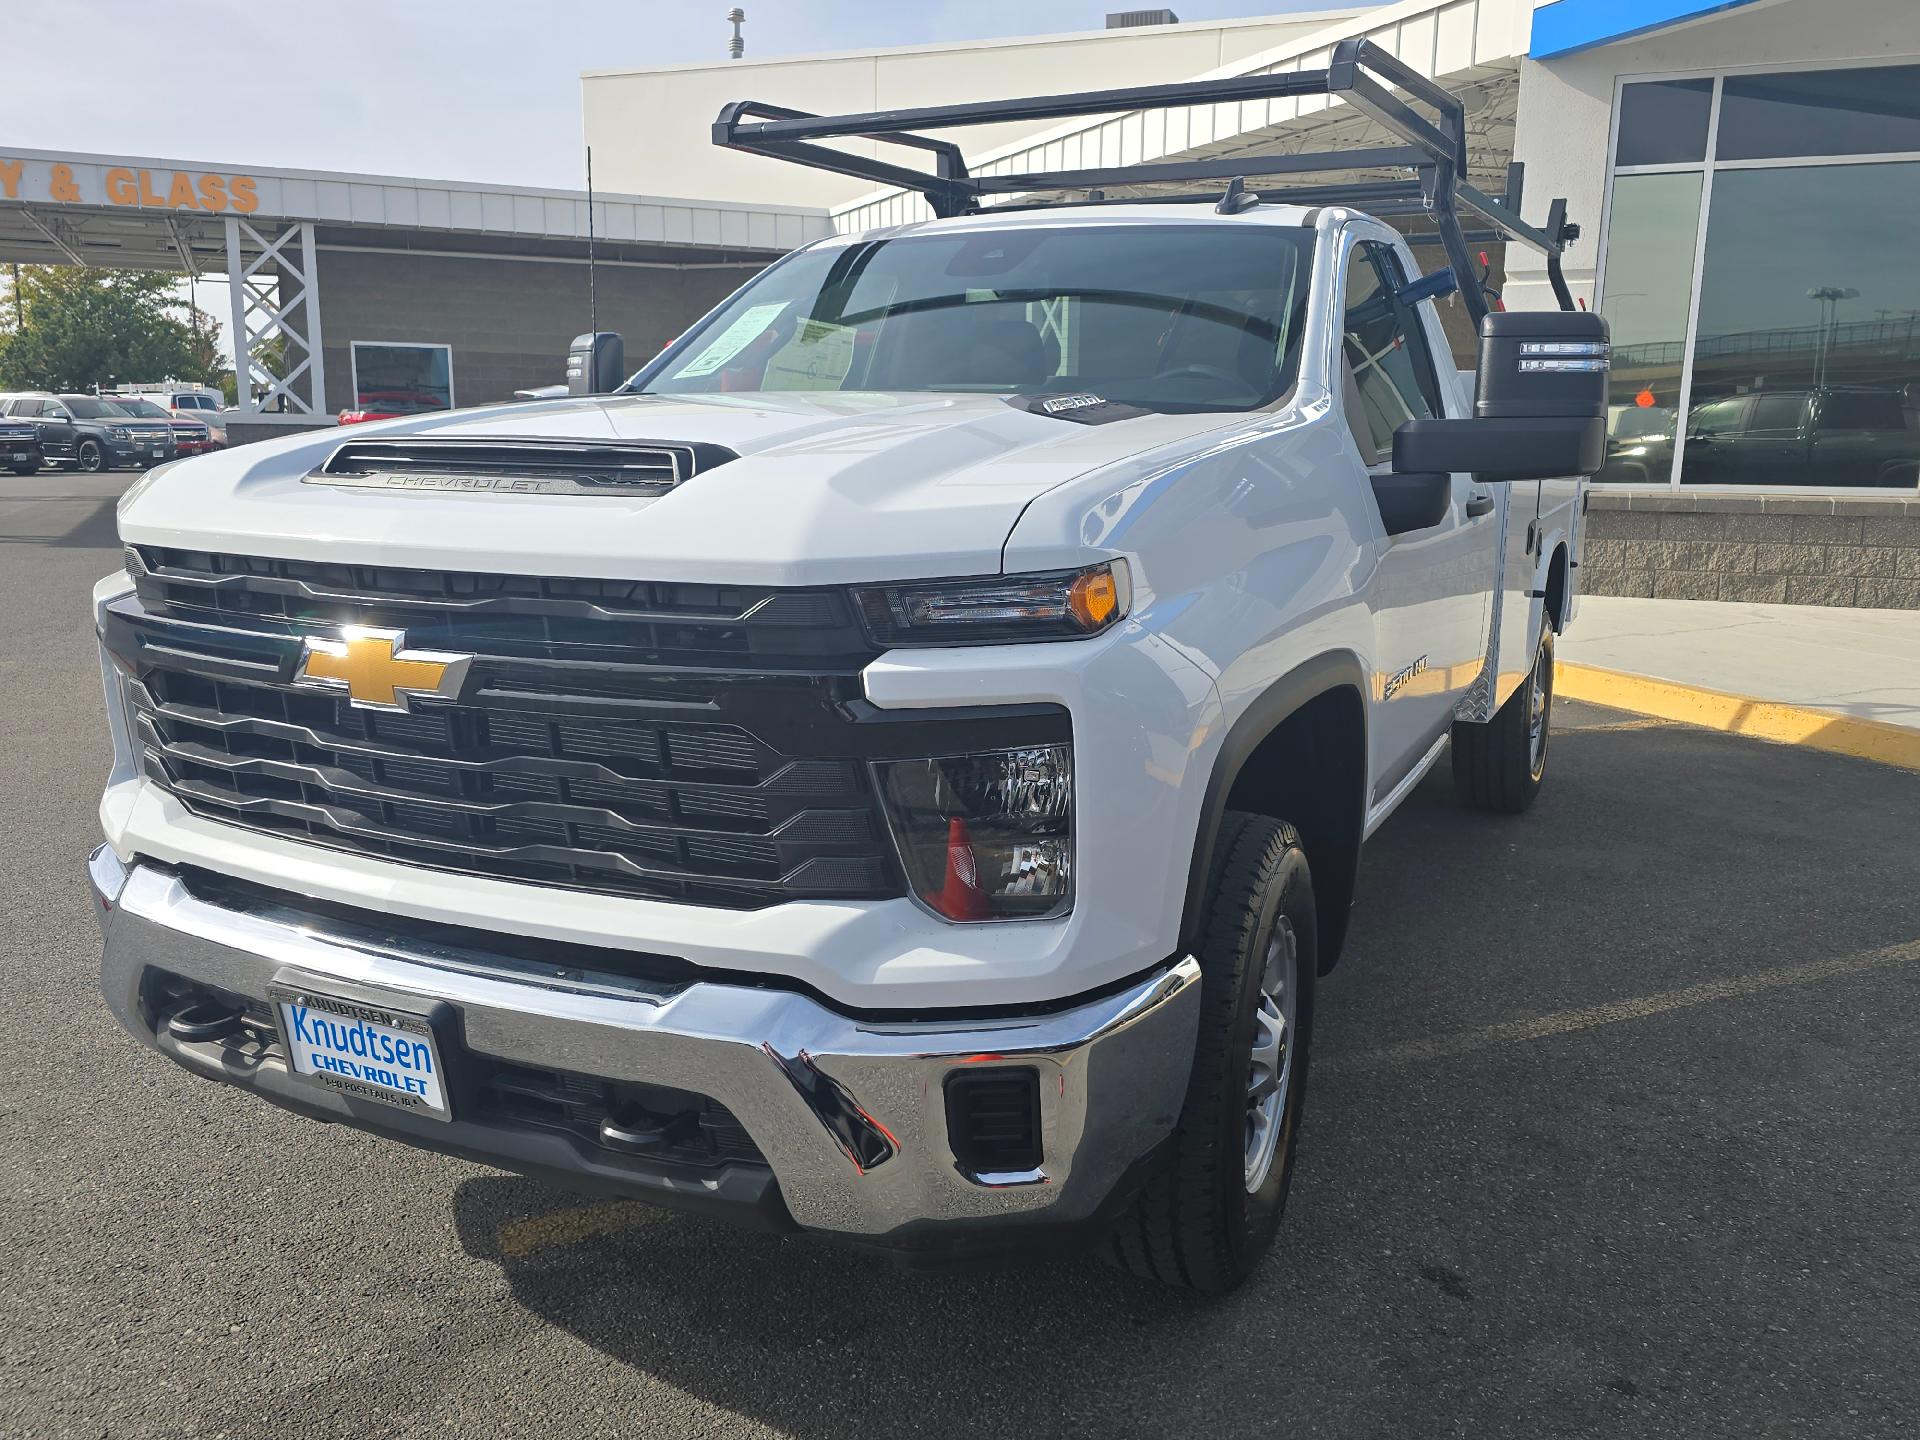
850	1114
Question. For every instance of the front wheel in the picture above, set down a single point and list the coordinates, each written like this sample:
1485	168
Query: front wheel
1206	1215
1499	765
92	456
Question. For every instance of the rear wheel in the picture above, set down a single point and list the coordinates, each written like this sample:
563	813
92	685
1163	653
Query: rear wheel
1206	1215
1499	765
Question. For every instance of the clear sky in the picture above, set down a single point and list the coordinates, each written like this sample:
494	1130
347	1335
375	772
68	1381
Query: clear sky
483	90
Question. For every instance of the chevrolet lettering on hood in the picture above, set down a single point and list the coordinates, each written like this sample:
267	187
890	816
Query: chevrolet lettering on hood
515	466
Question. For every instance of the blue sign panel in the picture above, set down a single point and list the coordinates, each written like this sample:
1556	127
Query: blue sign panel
1569	25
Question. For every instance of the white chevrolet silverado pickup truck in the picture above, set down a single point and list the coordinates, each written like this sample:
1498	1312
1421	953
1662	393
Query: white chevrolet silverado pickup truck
897	766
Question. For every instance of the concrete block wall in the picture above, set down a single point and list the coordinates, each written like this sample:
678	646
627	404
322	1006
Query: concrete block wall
1792	549
507	319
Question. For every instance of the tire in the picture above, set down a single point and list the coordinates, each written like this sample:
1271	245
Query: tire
26	467
1196	1223
1499	766
92	457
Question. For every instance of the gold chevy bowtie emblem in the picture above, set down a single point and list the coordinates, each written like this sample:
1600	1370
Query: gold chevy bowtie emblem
375	672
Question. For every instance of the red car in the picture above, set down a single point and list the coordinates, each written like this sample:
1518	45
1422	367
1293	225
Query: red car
392	404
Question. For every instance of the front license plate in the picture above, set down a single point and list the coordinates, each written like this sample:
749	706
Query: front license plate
371	1052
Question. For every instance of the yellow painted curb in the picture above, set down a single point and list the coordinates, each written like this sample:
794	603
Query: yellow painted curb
1740	714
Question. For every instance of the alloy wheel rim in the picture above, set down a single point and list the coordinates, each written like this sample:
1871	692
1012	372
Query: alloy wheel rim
1270	1068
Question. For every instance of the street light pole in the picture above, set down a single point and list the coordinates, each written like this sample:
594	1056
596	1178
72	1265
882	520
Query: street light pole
1829	297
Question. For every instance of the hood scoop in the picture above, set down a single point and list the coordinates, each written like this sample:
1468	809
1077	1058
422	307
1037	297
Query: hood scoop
517	467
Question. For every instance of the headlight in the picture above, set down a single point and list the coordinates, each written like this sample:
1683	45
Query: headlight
986	836
118	432
1056	605
140	487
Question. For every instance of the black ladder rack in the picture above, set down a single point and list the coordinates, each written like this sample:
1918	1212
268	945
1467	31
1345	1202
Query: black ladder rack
1361	73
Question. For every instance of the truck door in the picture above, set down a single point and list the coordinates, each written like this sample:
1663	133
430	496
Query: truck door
1860	437
1713	448
1429	588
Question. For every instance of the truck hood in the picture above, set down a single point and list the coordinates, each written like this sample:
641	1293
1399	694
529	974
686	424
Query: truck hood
828	489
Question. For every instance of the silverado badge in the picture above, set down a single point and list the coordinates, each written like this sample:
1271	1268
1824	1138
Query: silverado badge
375	671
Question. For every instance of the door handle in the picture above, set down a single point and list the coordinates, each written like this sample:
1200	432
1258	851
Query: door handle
1478	505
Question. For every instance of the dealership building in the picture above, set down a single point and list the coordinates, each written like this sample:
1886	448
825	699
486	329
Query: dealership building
1745	175
387	294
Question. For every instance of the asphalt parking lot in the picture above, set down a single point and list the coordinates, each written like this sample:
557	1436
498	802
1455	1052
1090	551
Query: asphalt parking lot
1612	1131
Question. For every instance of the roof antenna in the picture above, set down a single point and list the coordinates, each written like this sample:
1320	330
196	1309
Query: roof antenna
1237	198
737	46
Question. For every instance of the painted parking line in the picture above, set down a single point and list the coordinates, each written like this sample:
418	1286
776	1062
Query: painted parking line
586	1222
1614	1012
1740	714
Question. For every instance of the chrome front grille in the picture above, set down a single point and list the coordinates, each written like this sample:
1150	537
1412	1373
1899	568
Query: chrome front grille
689	743
694	624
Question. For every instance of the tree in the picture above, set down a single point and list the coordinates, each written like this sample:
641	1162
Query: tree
72	328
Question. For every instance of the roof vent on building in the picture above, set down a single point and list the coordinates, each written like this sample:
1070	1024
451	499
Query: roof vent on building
1128	19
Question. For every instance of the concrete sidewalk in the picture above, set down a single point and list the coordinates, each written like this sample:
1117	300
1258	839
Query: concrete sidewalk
1864	664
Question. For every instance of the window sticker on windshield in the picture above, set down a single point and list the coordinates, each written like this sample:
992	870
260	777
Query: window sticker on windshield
818	357
751	325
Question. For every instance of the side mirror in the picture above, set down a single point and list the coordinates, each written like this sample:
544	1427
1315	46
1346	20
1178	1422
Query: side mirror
596	363
1411	502
1541	408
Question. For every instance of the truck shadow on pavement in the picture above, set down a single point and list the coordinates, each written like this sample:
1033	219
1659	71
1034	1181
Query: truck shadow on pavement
813	1338
96	530
1601	1228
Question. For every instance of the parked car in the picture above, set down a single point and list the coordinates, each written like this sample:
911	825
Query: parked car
190	437
20	449
1639	445
1854	435
885	770
58	436
103	436
391	405
184	402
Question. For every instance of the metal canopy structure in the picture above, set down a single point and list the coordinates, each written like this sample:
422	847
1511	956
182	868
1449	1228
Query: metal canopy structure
1433	150
265	230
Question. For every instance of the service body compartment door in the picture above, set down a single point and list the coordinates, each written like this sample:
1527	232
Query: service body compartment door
1515	657
1561	523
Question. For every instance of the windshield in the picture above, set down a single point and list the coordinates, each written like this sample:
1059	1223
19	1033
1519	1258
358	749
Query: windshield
1166	317
146	409
86	407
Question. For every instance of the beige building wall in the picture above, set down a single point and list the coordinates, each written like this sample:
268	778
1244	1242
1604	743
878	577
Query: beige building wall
650	127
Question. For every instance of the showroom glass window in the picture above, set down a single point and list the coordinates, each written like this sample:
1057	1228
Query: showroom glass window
1759	279
401	379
